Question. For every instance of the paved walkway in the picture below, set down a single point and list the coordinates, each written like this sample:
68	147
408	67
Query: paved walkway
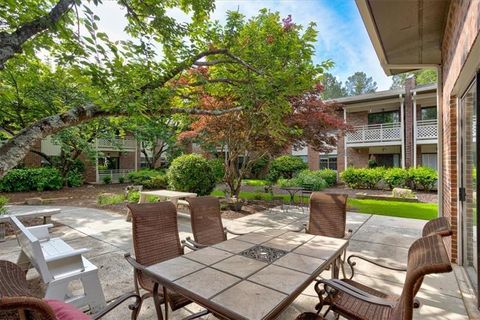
109	237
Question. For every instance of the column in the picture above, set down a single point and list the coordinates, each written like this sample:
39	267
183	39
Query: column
345	151
414	129
402	127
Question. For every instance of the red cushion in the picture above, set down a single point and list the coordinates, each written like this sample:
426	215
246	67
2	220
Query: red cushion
65	311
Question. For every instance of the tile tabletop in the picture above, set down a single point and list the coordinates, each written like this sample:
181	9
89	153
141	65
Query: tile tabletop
237	280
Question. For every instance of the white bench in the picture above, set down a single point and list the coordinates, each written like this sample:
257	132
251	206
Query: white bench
46	214
58	265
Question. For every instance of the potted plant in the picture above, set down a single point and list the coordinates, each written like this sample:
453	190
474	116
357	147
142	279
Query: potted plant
3	210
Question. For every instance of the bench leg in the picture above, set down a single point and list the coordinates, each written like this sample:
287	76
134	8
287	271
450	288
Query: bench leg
93	291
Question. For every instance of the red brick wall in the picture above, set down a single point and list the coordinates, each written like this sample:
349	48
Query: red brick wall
408	105
341	154
33	159
127	160
313	159
463	26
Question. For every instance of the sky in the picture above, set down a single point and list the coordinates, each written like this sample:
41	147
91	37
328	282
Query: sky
342	36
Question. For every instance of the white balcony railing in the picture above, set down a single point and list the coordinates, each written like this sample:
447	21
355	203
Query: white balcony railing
375	133
116	144
427	130
114	174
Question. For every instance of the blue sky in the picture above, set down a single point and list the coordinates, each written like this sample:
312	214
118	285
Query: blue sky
342	36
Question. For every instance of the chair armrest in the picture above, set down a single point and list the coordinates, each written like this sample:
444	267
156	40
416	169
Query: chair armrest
358	294
353	263
40	232
186	243
15	305
195	244
134	306
134	262
74	253
303	228
233	232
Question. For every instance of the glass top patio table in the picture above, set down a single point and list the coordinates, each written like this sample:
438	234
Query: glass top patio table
253	276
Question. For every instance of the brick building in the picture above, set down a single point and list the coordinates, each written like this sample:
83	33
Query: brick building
386	130
411	35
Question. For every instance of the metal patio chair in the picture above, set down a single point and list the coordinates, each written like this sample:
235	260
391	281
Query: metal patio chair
18	302
353	300
155	239
206	222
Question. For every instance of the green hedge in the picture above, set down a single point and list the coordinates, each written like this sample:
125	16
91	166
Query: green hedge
191	173
306	177
143	176
218	167
39	179
3	203
285	167
421	178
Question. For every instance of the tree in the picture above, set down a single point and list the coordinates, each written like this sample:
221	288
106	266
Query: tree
359	83
424	76
115	78
281	110
332	88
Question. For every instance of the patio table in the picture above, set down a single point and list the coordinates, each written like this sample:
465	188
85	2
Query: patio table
170	195
253	276
292	191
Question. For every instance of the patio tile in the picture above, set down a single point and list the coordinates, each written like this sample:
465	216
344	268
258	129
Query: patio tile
207	282
66	233
313	250
239	226
240	266
95	246
175	268
299	262
9	246
279	278
402	237
297	236
249	299
233	245
271	232
413	224
208	255
282	244
327	241
255	238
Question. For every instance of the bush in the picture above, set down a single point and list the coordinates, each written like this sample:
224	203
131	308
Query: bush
107	179
329	175
3	203
396	178
191	173
305	177
121	179
157	182
218	167
142	176
259	168
363	178
38	179
285	167
74	179
424	177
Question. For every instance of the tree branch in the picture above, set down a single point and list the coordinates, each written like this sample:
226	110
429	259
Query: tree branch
11	43
202	82
12	152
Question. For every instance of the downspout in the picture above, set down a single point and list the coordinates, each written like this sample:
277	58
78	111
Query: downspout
440	139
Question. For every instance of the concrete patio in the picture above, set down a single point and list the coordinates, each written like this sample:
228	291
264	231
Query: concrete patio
109	237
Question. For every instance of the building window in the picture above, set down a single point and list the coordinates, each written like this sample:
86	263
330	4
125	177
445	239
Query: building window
328	162
429	160
386	160
384	117
304	158
429	113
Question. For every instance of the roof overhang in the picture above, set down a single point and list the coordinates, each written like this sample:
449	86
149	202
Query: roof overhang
406	35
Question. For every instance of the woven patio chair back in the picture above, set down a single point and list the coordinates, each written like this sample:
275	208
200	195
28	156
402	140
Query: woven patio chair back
439	226
328	214
155	235
426	255
206	220
16	301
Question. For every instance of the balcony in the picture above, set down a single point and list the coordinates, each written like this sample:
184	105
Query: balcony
116	144
375	135
427	131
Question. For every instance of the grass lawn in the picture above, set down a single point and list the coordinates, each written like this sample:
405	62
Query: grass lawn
414	210
254	182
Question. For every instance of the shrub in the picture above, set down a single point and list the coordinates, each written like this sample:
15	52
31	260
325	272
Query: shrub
38	179
329	175
3	203
142	176
363	177
191	173
305	177
218	167
424	177
74	179
110	198
121	179
396	178
157	182
372	163
285	167
259	168
107	179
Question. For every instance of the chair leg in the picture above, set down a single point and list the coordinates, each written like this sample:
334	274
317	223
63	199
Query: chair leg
93	291
342	261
